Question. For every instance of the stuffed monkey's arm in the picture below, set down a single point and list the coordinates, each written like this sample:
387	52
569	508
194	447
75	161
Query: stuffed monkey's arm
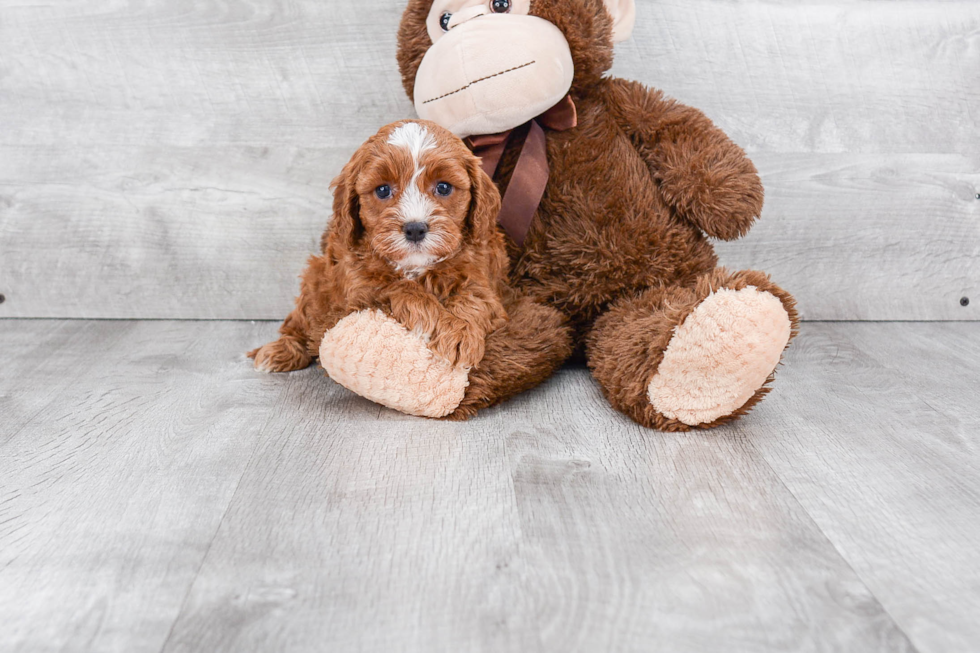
706	177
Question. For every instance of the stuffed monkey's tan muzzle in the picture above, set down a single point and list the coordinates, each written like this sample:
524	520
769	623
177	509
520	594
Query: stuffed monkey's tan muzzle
493	73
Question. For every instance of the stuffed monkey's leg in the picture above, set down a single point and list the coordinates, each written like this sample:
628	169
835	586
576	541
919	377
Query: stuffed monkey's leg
528	349
378	358
677	358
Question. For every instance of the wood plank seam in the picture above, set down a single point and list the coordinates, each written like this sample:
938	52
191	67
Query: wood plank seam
739	428
207	551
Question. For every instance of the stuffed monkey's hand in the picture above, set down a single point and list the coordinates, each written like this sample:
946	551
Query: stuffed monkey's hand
713	185
705	176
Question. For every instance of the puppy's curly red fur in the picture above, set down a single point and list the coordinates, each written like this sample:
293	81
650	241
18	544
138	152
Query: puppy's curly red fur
446	287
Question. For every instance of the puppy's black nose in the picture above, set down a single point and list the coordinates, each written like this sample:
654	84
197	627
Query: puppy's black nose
415	231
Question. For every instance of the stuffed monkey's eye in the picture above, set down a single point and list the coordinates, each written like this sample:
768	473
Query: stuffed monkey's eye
444	20
383	192
500	6
444	189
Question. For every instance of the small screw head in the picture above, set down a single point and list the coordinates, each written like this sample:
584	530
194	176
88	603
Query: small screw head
2	299
964	301
978	196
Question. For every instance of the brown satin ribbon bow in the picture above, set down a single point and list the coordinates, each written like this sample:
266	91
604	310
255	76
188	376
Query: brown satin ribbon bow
530	176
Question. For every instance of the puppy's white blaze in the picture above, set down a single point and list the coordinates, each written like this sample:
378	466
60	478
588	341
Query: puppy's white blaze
413	137
414	206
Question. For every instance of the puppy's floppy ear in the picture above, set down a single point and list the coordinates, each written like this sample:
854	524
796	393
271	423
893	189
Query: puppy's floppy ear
484	203
346	225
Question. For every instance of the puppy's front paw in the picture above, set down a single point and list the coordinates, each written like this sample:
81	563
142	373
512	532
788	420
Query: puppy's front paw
471	349
462	348
283	355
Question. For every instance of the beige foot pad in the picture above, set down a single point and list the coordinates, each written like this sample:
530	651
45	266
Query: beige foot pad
374	356
720	356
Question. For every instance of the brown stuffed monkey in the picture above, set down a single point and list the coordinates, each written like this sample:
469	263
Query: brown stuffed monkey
611	256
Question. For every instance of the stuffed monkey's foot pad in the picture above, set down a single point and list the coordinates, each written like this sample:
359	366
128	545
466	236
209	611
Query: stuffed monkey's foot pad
720	356
376	357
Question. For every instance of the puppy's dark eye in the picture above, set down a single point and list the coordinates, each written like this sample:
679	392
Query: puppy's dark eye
500	6
444	21
444	189
383	192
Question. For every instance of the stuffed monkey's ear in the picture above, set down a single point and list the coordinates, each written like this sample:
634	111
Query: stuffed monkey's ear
346	224
484	203
623	14
413	42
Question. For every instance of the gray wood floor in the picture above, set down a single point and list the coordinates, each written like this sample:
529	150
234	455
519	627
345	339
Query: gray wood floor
157	495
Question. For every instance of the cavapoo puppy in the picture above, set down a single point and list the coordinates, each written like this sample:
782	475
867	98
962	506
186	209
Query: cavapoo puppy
414	234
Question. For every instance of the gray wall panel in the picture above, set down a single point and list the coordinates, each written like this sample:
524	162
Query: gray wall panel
173	158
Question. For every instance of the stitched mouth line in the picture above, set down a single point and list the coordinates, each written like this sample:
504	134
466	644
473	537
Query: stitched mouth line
482	79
